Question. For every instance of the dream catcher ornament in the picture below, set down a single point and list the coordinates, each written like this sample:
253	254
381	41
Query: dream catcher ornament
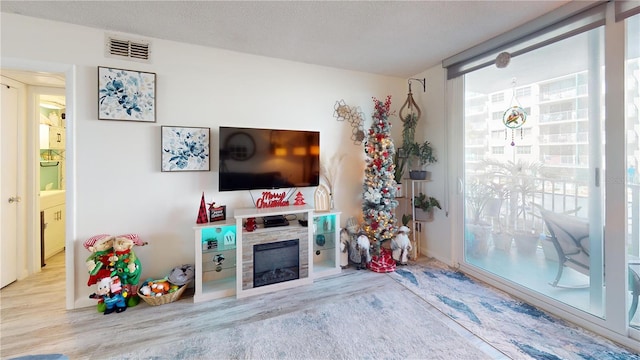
514	117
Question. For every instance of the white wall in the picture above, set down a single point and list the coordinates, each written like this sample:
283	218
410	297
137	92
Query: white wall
116	183
436	235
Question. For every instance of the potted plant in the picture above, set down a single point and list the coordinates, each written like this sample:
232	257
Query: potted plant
425	206
421	156
479	193
415	155
520	183
406	218
400	163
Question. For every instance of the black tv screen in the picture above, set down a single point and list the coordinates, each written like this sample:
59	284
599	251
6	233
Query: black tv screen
268	158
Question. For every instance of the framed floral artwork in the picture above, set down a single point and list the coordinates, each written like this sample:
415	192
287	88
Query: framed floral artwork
185	148
126	95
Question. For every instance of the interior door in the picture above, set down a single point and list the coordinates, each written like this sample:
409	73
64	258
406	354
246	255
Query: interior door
9	184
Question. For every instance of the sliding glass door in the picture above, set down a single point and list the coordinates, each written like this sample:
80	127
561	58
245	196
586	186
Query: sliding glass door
534	160
632	164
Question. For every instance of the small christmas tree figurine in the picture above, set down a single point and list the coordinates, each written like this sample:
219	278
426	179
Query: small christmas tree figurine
379	187
203	218
299	199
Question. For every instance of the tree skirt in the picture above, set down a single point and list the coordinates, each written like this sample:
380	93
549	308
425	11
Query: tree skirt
383	263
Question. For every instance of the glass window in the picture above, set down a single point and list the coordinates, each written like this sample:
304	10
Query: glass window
632	124
524	195
523	150
522	92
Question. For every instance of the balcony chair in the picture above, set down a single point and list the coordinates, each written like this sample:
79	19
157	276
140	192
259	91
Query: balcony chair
634	287
570	237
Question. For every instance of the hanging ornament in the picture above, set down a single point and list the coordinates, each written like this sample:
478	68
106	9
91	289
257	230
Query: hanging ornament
410	110
514	117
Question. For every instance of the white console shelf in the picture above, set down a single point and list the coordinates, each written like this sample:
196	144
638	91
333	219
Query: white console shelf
319	250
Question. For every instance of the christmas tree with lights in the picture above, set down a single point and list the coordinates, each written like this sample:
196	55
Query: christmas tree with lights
379	187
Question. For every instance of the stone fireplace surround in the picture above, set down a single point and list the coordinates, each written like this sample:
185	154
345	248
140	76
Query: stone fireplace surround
265	237
246	240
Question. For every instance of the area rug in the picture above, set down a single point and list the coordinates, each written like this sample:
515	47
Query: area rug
517	329
389	323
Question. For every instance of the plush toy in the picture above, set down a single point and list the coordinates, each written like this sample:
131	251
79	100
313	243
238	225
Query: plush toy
344	248
145	290
401	246
182	275
361	255
159	287
108	293
101	247
127	266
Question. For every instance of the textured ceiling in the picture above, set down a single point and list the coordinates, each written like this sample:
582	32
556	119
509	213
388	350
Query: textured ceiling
395	38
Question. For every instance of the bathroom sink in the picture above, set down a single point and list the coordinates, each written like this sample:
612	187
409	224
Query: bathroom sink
49	198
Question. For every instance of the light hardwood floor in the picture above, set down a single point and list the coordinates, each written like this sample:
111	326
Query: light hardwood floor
34	319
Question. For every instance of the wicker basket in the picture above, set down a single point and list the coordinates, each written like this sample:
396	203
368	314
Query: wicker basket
164	299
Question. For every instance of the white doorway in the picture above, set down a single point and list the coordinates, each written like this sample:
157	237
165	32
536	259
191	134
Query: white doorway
38	79
9	183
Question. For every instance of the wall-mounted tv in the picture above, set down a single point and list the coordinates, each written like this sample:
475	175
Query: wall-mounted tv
253	158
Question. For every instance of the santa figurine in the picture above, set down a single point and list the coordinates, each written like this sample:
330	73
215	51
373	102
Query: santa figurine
401	246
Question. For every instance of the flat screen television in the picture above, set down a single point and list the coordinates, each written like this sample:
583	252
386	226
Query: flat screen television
252	159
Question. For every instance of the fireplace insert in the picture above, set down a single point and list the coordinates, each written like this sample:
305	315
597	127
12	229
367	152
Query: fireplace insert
276	262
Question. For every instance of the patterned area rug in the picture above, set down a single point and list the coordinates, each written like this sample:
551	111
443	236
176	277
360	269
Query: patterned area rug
385	323
517	329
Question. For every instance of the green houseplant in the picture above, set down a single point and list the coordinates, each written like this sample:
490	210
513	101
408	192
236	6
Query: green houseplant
406	218
422	155
479	194
426	205
415	155
521	182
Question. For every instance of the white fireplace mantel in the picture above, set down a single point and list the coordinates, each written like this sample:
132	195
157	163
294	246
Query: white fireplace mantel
245	241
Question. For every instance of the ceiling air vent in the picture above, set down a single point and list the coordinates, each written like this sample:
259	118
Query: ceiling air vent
127	48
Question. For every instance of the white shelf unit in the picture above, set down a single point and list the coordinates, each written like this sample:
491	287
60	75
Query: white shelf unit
299	211
326	244
212	283
417	186
211	240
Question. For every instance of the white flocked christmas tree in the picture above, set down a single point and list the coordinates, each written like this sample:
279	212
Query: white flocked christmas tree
379	185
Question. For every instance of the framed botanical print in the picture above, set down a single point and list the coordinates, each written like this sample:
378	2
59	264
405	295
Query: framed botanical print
126	95
185	148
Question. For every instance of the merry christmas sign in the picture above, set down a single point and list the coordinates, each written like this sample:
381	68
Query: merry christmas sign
272	199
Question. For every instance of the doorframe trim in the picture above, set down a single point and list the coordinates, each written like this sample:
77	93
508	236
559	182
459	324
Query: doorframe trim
31	223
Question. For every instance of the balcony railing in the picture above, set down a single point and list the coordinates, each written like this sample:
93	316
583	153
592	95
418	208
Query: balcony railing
564	115
518	207
564	138
564	93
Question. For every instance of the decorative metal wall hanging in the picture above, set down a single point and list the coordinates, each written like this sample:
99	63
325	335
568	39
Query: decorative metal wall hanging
409	111
355	117
514	117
